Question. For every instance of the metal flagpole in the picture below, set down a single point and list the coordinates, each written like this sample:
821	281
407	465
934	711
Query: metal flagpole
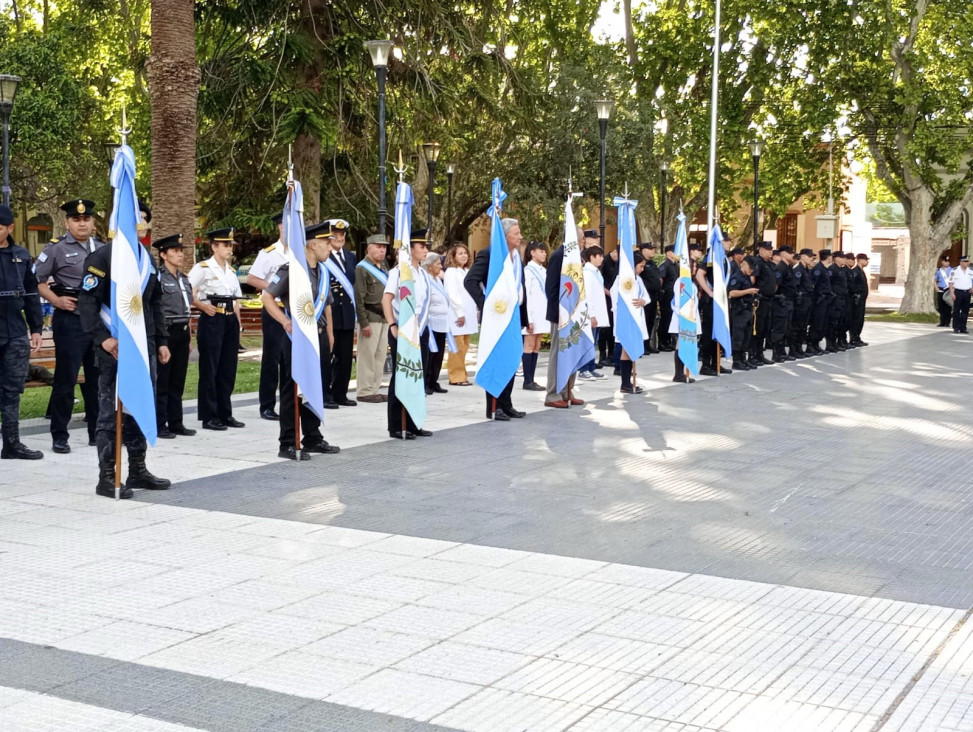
714	109
297	398
118	447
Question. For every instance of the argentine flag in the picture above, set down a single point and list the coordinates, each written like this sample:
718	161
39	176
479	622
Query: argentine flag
721	305
501	343
304	306
410	385
630	328
131	267
685	304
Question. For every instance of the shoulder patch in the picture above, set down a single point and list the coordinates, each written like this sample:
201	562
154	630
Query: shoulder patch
275	279
269	249
95	270
54	241
203	264
42	257
89	282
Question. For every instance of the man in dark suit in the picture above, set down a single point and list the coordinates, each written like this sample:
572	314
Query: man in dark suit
475	283
341	265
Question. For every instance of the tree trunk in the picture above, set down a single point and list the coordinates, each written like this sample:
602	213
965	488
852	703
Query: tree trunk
173	86
307	169
919	294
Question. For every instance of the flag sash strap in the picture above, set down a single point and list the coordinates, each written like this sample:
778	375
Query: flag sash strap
339	274
450	340
374	271
320	300
537	276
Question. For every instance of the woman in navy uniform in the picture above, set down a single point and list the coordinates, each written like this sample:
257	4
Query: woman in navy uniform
18	301
177	294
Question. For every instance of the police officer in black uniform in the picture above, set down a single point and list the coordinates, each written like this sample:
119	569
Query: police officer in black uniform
784	301
96	295
63	261
669	270
858	290
802	304
765	279
741	292
838	314
344	316
177	296
18	301
652	279
823	297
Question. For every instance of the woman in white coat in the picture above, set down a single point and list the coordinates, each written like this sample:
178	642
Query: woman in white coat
462	311
535	277
594	295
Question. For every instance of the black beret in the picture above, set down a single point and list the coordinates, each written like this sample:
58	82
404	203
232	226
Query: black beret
6	216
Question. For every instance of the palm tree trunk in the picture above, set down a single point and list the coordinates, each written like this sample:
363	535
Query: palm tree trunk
173	86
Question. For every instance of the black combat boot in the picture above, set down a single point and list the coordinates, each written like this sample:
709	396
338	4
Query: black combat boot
13	448
106	473
140	477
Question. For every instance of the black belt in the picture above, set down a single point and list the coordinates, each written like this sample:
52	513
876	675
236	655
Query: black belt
176	322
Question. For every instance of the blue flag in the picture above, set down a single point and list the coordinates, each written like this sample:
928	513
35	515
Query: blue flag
721	303
304	305
410	385
685	303
501	344
131	267
630	328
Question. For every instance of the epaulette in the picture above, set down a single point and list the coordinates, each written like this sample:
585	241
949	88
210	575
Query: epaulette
269	249
203	264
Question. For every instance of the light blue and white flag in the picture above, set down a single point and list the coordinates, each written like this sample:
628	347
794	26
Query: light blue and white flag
410	385
576	345
501	344
629	319
304	306
721	302
131	267
685	303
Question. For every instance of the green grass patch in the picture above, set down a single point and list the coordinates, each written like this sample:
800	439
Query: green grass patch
33	402
898	317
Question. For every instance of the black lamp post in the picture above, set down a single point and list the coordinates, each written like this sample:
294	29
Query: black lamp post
431	152
756	147
604	109
110	149
664	167
379	51
8	90
450	169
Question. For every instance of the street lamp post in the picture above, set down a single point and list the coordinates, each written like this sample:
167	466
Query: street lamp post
604	109
110	149
431	151
8	90
379	51
664	167
450	169
756	148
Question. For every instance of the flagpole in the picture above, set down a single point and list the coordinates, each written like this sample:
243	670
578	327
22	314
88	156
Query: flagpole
714	102
118	448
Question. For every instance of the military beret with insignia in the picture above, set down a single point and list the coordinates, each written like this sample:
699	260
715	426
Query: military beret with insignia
169	242
78	207
221	235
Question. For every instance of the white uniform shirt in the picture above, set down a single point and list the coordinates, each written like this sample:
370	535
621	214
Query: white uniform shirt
422	290
460	301
962	279
535	278
212	279
268	261
438	309
594	294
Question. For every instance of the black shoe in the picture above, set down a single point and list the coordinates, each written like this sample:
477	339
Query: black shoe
331	405
269	414
322	447
421	433
632	390
754	364
534	387
501	416
289	453
61	447
165	434
683	380
778	358
841	346
109	492
725	370
346	402
438	389
397	434
92	442
230	422
182	431
428	391
516	414
650	350
214	424
860	343
708	371
616	372
740	366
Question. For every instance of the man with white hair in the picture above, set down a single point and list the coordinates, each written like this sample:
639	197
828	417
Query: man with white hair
475	283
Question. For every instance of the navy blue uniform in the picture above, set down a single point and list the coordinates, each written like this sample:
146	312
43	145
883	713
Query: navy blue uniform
821	308
344	318
177	297
741	314
765	281
783	311
838	316
802	308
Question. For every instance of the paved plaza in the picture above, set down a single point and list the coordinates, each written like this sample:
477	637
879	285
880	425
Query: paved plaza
787	549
